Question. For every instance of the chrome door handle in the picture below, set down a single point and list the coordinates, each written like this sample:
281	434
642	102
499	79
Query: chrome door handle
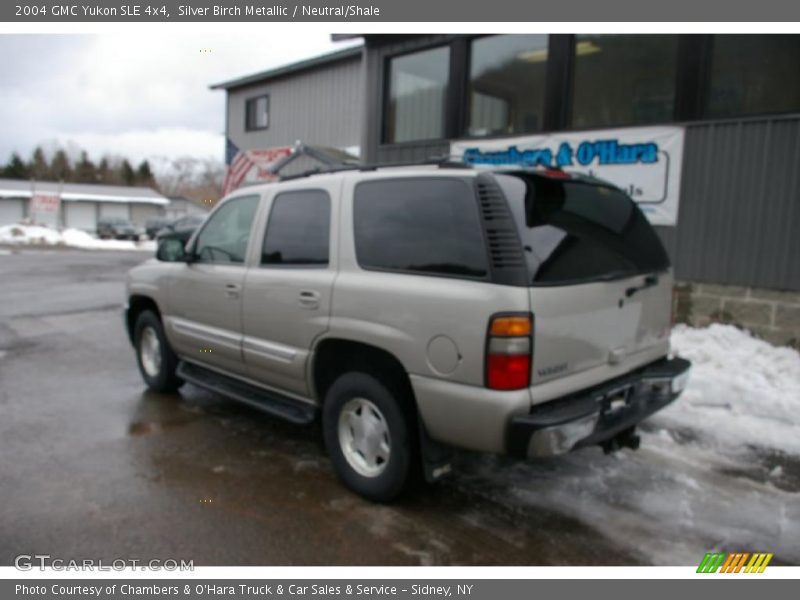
308	299
232	290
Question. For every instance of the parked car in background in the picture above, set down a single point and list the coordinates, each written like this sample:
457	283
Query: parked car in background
420	309
156	224
188	223
116	228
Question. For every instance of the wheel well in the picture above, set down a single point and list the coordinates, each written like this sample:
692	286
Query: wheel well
136	306
334	357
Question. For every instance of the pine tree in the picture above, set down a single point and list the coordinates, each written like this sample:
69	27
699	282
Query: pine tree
144	175
85	171
127	173
104	174
16	168
39	169
60	168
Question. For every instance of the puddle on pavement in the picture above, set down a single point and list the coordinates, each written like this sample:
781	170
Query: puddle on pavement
156	413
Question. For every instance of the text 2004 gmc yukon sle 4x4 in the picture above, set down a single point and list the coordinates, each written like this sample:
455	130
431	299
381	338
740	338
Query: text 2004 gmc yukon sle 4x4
419	309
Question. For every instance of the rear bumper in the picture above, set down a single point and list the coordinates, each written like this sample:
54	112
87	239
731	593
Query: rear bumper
598	414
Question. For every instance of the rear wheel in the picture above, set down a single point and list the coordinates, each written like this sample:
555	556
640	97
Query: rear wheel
368	436
157	361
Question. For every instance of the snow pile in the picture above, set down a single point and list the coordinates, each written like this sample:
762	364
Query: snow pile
742	391
29	234
74	238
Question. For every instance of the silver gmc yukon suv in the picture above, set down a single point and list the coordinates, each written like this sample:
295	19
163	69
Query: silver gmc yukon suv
419	309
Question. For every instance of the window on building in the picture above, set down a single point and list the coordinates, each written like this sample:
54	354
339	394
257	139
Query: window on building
417	96
225	236
753	74
623	80
298	232
506	84
427	226
257	113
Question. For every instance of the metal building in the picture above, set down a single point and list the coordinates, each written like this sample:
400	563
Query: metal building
80	205
317	101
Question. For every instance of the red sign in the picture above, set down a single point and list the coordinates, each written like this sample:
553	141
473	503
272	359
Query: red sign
45	203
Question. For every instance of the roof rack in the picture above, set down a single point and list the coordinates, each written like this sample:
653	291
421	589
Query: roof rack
442	163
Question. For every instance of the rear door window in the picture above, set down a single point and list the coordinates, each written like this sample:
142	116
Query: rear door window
298	232
574	230
426	225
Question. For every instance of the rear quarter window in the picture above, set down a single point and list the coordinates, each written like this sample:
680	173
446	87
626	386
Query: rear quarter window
574	231
425	226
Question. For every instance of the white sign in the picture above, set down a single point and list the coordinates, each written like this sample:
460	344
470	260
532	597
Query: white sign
44	203
643	161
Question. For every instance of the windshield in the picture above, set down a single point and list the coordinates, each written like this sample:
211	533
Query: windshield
575	230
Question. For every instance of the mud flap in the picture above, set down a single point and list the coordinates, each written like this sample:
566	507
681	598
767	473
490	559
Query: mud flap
436	458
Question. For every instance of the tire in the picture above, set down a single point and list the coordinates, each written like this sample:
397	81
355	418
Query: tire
358	401
158	373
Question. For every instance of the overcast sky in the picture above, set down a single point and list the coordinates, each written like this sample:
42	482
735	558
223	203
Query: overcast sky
141	96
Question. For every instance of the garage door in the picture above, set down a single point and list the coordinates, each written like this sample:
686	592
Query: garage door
10	211
141	212
81	215
114	209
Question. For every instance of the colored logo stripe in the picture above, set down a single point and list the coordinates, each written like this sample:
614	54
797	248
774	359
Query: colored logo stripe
758	563
734	562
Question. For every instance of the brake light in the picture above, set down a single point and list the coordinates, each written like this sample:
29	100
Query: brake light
555	173
509	352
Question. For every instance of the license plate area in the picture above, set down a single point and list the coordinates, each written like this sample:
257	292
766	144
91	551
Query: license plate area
617	400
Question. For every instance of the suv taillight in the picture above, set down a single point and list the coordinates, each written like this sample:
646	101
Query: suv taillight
509	346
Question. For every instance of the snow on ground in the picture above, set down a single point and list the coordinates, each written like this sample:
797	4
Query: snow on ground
717	470
37	235
743	391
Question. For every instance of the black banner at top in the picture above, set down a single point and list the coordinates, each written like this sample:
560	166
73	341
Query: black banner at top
365	11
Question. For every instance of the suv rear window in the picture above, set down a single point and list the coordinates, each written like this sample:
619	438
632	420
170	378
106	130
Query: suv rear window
424	225
574	230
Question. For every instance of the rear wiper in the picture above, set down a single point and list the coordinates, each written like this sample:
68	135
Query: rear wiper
649	281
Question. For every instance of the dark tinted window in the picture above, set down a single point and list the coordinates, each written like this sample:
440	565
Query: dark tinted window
624	79
257	113
298	231
574	231
419	225
754	74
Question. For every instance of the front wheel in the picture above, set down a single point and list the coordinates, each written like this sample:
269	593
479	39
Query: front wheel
157	361
368	437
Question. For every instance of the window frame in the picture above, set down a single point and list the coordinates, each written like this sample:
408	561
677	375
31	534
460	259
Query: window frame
463	124
702	101
386	84
677	82
195	258
248	126
469	184
263	237
692	80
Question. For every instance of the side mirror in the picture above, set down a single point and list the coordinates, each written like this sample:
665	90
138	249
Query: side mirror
171	249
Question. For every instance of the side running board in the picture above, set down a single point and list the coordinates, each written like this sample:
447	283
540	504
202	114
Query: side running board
268	401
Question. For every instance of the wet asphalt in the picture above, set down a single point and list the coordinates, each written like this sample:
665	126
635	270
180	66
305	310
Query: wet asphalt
94	466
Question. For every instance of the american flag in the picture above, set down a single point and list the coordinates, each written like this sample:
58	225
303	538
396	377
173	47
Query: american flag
242	162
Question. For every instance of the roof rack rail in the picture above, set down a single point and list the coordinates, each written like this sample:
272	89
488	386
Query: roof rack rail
442	163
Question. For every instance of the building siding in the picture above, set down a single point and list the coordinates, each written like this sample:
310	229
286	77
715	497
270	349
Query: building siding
321	107
740	204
